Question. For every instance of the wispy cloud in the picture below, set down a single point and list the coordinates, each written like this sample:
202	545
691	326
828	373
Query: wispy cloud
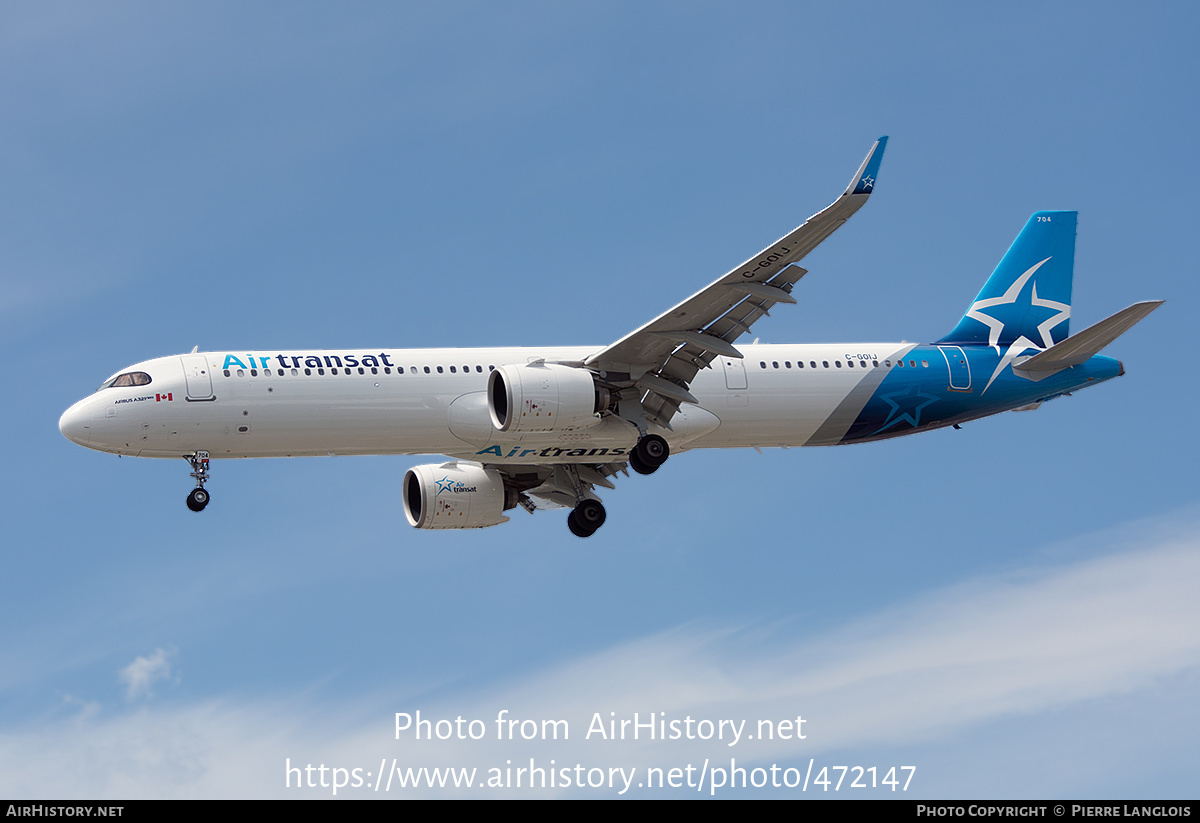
140	675
938	669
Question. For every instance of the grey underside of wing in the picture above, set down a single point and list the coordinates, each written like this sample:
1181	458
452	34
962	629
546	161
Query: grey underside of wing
558	485
680	342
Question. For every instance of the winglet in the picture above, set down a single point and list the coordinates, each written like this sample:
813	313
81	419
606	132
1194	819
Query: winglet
864	179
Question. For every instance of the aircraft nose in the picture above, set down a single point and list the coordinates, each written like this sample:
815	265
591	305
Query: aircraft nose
75	423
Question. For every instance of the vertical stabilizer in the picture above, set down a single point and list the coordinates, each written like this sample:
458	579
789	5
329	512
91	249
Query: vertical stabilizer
1029	294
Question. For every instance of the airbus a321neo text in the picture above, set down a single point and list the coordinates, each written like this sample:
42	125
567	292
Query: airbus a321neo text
544	427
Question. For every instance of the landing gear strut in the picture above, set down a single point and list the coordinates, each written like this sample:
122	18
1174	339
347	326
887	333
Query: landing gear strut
586	517
650	452
197	498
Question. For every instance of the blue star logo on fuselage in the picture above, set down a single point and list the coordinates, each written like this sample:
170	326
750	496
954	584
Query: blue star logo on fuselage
907	405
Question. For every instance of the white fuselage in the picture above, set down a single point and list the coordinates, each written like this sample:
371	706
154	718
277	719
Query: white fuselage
432	401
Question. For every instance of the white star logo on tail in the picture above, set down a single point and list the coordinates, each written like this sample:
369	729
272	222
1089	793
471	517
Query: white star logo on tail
996	326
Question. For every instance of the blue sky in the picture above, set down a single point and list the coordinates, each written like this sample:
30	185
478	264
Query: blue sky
1010	607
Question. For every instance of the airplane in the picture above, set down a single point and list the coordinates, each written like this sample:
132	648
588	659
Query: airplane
544	427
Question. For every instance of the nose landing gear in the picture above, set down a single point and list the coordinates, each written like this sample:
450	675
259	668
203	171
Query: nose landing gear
197	499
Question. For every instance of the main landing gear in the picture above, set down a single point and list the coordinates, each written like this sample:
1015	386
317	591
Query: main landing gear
197	499
650	452
586	517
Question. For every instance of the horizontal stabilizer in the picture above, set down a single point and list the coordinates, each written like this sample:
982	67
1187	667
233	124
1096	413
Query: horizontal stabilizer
1079	348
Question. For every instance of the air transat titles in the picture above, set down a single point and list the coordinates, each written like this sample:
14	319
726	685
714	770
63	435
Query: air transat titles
312	361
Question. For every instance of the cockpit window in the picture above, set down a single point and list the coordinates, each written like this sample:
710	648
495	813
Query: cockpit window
129	378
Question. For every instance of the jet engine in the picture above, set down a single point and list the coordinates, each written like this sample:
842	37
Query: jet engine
544	397
456	495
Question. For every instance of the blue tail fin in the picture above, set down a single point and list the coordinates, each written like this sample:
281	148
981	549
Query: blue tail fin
1029	293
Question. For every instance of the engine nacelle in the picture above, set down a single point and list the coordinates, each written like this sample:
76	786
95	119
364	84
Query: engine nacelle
544	397
456	495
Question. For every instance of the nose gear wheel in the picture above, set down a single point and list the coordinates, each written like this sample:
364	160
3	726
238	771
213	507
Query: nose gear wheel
198	497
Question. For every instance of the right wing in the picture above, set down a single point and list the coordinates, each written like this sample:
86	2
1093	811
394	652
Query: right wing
660	360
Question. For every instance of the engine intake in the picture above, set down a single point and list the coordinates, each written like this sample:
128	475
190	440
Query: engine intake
456	495
544	397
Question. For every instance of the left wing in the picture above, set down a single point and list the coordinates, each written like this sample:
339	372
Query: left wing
661	359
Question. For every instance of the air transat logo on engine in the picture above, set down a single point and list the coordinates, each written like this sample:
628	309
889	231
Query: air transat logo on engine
454	486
